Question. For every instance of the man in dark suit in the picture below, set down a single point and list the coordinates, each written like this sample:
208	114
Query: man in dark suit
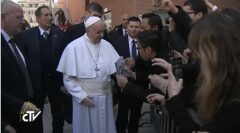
120	30
43	47
77	30
17	91
126	47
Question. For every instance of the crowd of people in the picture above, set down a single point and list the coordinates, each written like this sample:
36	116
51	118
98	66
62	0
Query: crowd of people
191	66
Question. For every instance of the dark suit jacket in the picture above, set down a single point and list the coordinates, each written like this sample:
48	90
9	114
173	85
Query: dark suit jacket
119	29
226	121
30	40
121	46
115	33
14	89
73	32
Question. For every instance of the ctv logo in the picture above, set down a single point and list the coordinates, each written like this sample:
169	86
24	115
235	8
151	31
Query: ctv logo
29	116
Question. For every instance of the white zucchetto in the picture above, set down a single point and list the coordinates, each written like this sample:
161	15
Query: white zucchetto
91	20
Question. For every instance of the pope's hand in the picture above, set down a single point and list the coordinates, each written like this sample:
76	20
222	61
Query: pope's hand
88	102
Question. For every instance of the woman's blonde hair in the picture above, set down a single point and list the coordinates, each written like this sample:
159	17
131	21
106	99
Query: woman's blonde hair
216	41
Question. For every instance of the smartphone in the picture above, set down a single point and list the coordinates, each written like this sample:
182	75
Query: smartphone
156	3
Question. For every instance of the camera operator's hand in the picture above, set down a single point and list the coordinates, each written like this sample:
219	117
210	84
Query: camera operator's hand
151	98
171	25
159	82
121	80
167	5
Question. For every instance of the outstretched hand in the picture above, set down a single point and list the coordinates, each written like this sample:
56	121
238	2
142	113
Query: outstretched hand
174	86
162	63
167	5
159	82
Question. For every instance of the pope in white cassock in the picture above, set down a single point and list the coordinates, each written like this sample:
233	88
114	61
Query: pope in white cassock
87	64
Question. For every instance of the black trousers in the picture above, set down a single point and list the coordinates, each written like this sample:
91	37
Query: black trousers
128	105
53	92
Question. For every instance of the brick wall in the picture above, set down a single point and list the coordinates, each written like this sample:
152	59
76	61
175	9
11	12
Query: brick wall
226	3
132	7
76	9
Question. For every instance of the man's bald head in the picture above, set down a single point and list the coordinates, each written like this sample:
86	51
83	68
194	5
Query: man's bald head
124	20
12	17
8	5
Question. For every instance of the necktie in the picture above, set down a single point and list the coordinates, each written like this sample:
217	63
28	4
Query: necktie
134	52
125	33
45	35
22	67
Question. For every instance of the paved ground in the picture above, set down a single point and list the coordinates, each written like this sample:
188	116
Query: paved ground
146	128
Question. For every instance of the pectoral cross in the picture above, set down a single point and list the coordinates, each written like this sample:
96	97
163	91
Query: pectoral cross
97	69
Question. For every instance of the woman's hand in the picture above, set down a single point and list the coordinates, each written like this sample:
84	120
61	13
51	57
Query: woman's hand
151	98
162	63
174	86
159	82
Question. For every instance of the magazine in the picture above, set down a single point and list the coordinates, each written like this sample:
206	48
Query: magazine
120	66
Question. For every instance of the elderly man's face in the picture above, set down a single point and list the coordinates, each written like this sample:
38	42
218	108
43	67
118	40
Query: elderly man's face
96	31
13	20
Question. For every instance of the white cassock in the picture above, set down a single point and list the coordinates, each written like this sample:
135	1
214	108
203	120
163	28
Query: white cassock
78	63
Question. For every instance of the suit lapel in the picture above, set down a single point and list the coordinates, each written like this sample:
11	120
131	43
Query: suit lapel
6	49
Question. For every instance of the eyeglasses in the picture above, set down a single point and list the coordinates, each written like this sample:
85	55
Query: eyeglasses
191	12
138	48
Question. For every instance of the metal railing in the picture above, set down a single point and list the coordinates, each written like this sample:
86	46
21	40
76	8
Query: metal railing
164	123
